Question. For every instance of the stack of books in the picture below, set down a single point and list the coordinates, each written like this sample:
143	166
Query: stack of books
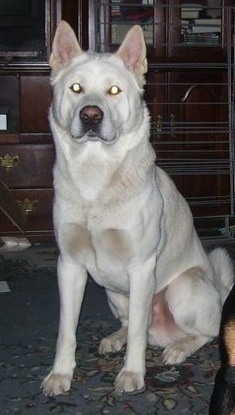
206	26
196	29
115	8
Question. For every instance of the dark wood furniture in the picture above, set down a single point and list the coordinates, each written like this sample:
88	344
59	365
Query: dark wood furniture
188	90
189	93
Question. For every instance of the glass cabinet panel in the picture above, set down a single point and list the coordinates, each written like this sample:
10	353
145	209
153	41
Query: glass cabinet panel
26	28
125	14
171	27
115	17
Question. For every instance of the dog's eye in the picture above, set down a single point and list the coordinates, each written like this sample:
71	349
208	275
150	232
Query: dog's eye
114	90
76	88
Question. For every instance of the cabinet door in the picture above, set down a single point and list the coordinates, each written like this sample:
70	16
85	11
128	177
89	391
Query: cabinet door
27	30
9	99
191	136
198	104
199	29
200	152
35	98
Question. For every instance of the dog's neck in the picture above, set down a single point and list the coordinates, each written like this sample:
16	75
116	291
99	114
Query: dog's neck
95	170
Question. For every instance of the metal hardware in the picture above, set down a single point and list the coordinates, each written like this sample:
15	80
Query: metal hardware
159	126
172	125
28	206
8	162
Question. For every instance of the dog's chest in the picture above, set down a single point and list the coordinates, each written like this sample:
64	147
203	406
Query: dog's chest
88	172
105	254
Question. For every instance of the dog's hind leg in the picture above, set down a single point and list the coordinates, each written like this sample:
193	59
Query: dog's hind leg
195	305
119	305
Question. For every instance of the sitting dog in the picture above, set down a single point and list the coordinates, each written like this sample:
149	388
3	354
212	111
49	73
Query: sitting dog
120	218
223	395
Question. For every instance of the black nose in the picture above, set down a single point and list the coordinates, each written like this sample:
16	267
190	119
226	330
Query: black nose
91	115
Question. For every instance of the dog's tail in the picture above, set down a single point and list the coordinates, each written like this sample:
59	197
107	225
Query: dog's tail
224	270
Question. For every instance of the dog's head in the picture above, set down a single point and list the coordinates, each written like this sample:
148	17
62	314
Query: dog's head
98	97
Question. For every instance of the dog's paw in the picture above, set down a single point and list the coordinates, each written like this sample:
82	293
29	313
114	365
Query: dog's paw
56	384
183	348
114	342
173	355
129	382
177	352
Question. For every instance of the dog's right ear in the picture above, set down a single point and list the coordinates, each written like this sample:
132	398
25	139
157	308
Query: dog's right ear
65	46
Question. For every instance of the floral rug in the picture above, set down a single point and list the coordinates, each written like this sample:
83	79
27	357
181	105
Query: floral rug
28	327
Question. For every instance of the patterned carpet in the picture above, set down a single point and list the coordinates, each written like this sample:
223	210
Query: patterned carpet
28	327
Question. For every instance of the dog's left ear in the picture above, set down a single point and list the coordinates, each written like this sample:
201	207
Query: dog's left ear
65	46
133	52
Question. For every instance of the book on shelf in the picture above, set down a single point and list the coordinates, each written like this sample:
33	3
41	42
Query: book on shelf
115	9
189	14
208	22
201	38
196	28
190	11
205	29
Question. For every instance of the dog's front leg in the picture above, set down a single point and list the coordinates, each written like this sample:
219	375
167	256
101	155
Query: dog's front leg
72	281
131	377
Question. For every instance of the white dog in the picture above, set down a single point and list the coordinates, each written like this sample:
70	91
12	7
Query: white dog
121	218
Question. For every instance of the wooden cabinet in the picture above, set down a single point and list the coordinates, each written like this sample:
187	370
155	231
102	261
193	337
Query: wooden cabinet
26	145
190	121
27	153
35	99
189	94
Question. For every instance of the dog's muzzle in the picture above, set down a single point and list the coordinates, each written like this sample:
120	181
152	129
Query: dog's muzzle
91	118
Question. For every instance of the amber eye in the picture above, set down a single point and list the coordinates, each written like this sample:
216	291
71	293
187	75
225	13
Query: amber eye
76	87
114	90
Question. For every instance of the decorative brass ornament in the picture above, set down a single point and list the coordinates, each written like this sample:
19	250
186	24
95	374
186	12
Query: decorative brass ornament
8	162
28	206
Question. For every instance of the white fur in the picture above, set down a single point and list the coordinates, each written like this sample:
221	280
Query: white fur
121	218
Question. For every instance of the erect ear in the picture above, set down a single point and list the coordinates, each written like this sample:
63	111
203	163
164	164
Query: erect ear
133	52
65	46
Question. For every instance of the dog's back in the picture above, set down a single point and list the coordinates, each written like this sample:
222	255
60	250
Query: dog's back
223	395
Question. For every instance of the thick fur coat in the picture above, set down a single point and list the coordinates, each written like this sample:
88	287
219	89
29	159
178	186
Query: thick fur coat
120	218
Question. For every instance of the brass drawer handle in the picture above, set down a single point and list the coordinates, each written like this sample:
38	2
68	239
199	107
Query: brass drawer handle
28	206
7	162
